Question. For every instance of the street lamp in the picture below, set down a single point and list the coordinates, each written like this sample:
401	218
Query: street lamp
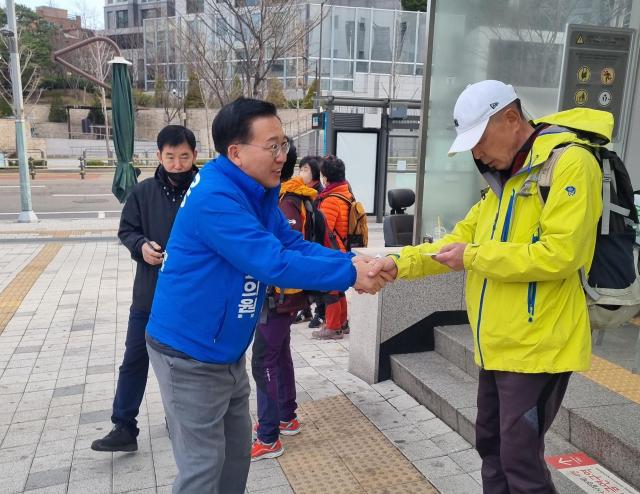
10	32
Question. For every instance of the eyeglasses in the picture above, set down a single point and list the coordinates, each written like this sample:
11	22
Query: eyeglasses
275	149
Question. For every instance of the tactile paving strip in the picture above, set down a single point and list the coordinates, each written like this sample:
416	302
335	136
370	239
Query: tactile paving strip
615	378
14	293
340	451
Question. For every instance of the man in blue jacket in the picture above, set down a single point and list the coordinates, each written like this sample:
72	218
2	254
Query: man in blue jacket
229	241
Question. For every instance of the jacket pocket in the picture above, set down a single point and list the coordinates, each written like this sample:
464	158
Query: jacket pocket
218	331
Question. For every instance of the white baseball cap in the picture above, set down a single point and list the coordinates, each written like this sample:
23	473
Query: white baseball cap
473	109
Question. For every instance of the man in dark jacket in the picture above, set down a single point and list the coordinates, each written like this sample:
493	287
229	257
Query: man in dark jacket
147	218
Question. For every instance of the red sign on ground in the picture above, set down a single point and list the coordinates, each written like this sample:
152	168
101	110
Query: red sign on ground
589	475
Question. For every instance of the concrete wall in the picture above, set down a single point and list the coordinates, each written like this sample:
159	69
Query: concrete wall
8	139
149	121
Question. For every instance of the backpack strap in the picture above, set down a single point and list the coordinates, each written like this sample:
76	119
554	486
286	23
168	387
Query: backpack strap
344	198
349	202
609	181
546	173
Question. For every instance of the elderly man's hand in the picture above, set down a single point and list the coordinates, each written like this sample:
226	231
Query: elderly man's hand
452	255
385	267
366	283
152	253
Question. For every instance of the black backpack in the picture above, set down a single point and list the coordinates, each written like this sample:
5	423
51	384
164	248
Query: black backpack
612	286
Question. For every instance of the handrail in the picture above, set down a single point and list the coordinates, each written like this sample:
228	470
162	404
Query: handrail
96	39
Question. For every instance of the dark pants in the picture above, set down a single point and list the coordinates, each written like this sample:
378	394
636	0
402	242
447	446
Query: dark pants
132	378
272	369
514	413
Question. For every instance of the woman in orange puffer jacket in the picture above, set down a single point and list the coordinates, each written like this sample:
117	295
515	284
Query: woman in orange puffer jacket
334	202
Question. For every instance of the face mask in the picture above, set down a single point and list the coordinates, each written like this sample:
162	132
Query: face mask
182	180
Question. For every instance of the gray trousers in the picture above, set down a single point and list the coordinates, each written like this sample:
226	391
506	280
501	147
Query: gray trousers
207	409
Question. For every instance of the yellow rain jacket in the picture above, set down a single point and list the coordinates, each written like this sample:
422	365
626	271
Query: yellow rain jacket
524	296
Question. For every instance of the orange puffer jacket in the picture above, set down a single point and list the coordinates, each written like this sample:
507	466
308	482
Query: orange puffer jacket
336	211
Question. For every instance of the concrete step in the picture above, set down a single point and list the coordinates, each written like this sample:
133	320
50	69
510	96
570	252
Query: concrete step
592	419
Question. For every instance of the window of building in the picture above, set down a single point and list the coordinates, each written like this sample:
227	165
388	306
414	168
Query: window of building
122	19
195	6
150	13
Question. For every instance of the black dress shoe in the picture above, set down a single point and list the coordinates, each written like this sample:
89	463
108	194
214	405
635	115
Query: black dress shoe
119	439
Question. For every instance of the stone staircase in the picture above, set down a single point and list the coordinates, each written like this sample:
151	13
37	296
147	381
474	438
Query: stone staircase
592	419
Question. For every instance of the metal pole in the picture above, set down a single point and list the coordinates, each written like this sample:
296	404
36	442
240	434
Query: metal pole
319	65
424	123
382	165
26	214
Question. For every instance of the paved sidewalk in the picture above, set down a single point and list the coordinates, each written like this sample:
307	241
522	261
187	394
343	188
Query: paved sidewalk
62	341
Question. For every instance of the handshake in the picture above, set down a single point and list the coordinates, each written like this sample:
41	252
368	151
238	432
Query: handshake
373	273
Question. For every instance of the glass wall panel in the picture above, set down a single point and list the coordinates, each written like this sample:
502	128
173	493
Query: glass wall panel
519	42
342	70
344	31
382	31
380	68
363	44
406	36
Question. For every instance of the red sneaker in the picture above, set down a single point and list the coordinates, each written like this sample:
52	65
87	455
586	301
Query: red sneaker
260	450
290	428
286	428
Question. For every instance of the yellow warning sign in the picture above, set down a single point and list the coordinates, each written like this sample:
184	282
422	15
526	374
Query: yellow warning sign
581	97
607	76
584	74
580	40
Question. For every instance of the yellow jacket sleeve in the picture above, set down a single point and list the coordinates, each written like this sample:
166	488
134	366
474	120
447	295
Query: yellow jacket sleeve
413	264
567	225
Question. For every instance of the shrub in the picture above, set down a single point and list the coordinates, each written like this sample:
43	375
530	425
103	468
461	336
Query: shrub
140	98
57	113
94	163
275	94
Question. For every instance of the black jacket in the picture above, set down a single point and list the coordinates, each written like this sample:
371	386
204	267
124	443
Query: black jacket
148	214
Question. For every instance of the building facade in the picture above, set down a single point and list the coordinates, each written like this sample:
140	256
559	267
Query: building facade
354	51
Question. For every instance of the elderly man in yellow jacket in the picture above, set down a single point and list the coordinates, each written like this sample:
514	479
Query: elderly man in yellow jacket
524	296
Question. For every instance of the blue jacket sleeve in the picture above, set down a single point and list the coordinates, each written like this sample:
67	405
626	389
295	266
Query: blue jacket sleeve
239	237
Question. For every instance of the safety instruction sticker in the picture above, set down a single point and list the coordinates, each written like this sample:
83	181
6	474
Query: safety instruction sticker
584	74
604	98
607	76
581	96
589	475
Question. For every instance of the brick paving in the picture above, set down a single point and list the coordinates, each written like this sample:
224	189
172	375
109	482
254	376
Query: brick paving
59	353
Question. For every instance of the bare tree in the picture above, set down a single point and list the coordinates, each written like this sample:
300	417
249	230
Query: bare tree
232	42
94	59
89	12
29	73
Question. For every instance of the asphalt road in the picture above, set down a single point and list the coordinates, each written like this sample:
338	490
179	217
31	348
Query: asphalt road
63	195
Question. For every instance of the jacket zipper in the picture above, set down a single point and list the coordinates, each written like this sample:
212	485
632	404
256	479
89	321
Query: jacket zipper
533	285
484	287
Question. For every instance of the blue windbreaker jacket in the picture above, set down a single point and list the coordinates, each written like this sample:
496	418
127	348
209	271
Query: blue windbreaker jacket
229	241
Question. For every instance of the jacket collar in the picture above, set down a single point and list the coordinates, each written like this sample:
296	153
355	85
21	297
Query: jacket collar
542	147
297	186
339	187
253	190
